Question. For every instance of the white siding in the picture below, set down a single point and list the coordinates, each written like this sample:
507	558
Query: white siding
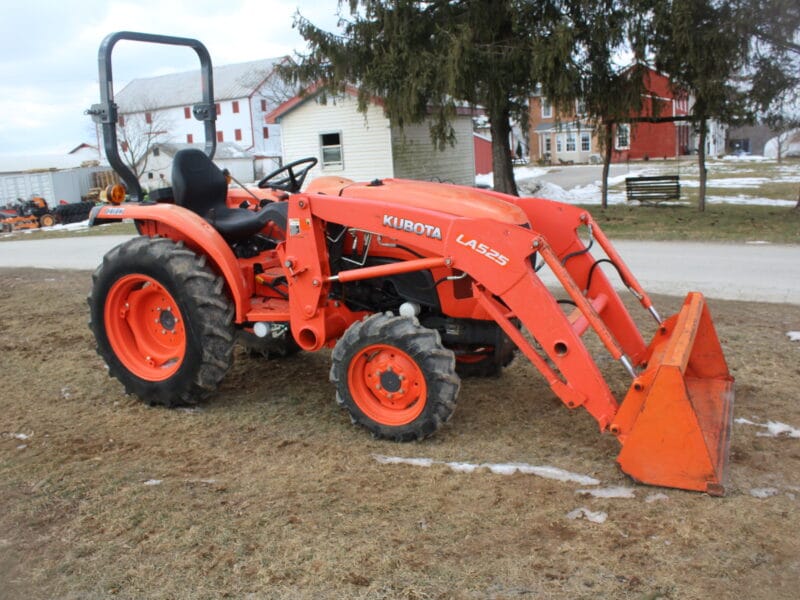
366	139
416	157
173	120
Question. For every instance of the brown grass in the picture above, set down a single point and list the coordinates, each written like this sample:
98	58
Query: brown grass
268	492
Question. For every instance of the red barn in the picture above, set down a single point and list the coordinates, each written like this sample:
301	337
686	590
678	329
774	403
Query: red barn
655	140
565	138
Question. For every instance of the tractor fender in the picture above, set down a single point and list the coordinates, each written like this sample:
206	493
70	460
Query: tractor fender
183	225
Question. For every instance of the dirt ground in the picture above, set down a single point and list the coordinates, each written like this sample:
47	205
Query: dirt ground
267	491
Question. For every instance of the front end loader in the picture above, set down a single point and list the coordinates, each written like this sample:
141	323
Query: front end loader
412	284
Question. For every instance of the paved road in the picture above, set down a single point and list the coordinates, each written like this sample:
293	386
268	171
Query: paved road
569	177
768	272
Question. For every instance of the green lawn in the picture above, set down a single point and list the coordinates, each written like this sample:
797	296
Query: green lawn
36	234
719	222
738	208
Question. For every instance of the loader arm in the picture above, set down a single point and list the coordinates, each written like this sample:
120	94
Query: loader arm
497	256
683	367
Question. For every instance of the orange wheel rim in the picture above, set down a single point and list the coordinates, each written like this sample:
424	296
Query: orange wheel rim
387	385
145	327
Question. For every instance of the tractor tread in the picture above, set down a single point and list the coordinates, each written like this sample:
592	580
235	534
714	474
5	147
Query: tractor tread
424	347
208	312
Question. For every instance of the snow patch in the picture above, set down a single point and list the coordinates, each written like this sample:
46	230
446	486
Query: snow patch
657	497
744	158
765	492
609	492
749	201
794	336
728	182
153	482
21	436
773	428
589	515
544	471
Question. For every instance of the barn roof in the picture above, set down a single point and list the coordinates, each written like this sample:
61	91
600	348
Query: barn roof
183	89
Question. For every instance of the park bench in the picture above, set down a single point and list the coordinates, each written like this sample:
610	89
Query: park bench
653	190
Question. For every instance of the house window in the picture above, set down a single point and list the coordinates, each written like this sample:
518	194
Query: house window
156	151
237	133
547	108
331	145
580	108
148	118
266	133
235	105
150	175
219	108
548	144
189	138
187	112
623	137
570	142
586	141
559	142
220	137
263	105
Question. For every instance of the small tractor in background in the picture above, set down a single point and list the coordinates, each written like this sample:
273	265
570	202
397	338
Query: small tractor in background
26	214
410	283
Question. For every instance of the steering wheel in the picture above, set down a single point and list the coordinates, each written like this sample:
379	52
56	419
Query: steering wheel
286	179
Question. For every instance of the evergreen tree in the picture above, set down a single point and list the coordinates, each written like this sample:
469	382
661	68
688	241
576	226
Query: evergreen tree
704	47
426	58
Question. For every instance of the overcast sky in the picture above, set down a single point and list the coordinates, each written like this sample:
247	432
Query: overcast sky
48	54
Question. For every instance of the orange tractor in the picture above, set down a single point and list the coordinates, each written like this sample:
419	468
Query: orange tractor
410	283
27	214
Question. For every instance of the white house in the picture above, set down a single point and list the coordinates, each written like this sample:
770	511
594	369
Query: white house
244	94
365	146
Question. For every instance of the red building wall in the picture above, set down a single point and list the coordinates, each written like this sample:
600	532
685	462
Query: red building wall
483	154
658	140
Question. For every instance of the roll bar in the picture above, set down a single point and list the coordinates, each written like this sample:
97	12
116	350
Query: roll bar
106	114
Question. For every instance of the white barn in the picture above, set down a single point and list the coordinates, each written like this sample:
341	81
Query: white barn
365	146
158	169
244	94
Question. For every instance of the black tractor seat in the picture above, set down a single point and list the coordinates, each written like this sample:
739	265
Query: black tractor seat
199	185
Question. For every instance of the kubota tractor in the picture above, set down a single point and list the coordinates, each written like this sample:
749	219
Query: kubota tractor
409	283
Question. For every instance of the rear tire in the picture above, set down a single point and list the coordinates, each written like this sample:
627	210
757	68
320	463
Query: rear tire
485	364
394	377
162	321
47	220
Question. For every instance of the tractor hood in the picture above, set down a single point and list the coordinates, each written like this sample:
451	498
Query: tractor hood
452	199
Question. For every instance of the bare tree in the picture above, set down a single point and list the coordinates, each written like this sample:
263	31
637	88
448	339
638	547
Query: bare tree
269	85
137	133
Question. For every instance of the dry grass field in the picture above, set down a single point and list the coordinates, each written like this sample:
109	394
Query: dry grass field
267	491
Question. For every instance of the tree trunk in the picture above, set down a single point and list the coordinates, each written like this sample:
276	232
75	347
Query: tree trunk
502	165
797	206
701	162
608	140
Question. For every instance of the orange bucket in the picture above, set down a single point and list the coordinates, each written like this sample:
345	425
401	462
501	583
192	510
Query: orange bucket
675	421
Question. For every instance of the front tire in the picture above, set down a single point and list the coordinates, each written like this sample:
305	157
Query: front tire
162	321
394	377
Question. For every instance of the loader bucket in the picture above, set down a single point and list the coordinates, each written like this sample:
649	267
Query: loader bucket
675	421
